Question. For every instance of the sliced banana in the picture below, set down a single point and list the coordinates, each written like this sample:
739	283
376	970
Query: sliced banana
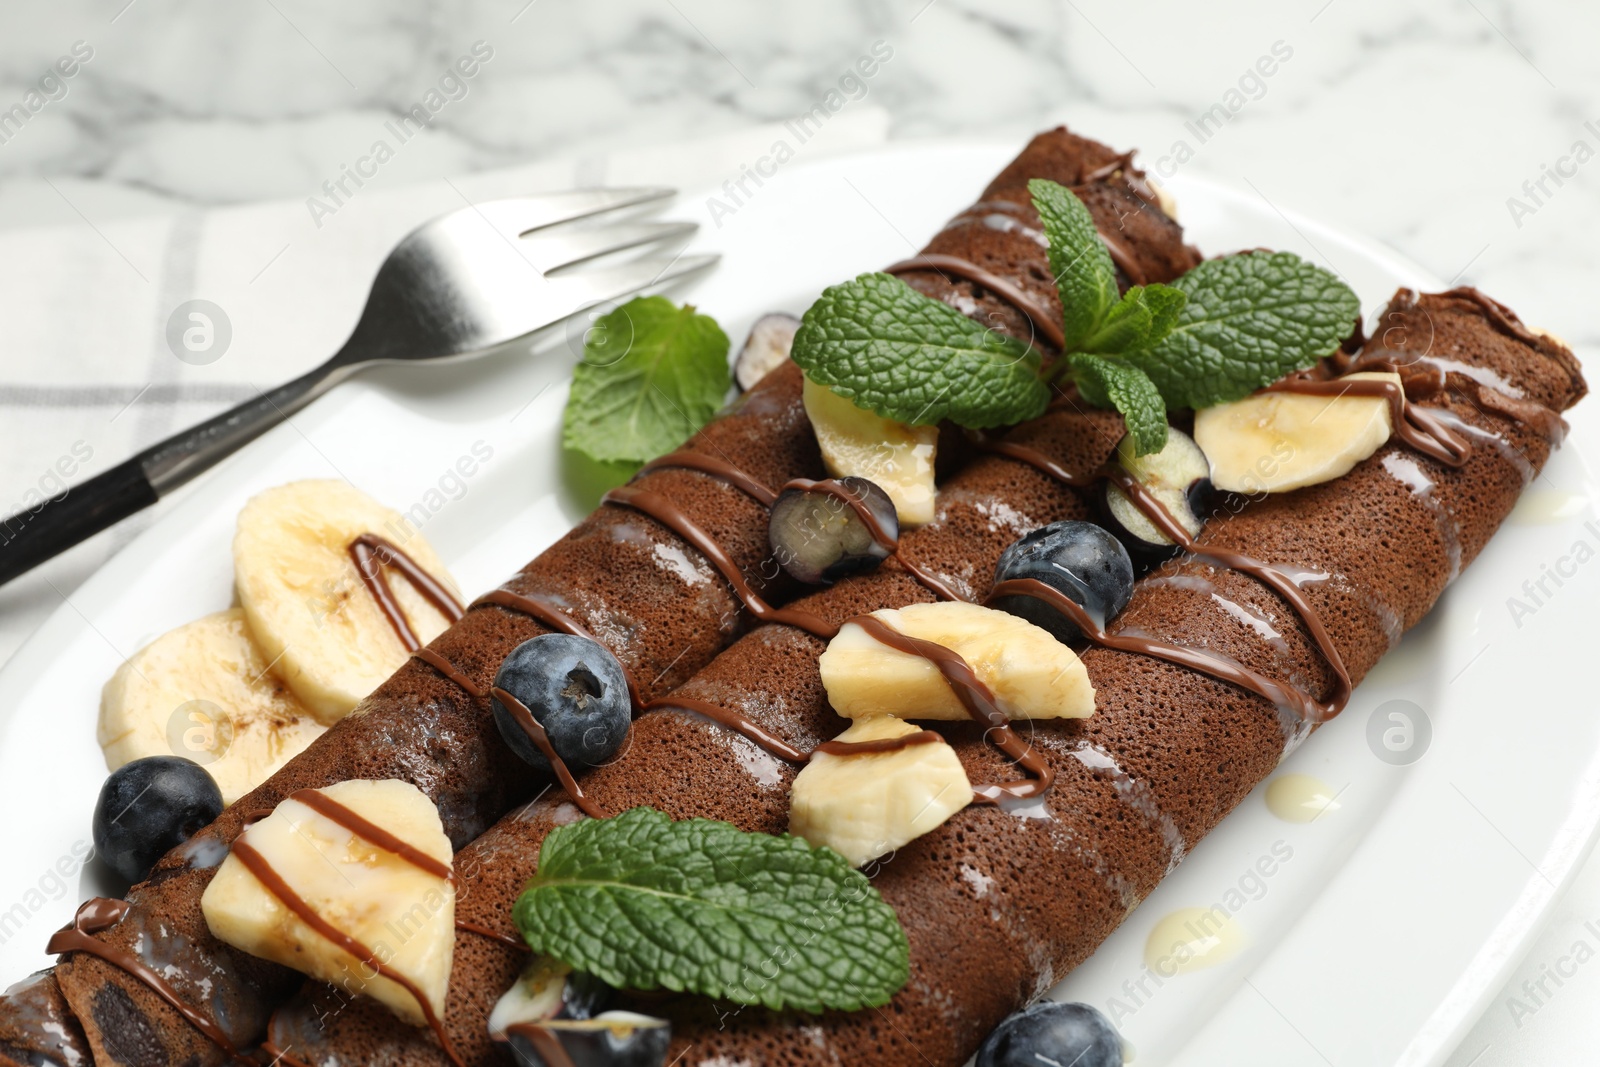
857	443
863	806
305	602
1030	673
1275	442
204	692
404	914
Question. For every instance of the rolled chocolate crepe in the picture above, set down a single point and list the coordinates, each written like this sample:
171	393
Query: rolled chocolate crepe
635	586
999	904
989	503
606	575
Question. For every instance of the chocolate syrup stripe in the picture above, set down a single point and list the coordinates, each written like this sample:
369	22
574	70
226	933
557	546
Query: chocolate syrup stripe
100	914
885	540
979	703
275	884
371	832
675	519
371	554
1044	321
530	726
717	468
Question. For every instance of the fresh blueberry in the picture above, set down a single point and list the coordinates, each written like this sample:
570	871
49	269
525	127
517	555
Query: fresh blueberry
819	537
1049	1032
1078	559
575	689
149	807
612	1039
1179	476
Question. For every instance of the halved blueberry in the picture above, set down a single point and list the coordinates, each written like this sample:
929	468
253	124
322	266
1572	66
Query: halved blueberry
819	537
1179	476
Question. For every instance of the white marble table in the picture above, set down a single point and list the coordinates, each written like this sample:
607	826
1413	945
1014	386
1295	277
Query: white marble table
1462	133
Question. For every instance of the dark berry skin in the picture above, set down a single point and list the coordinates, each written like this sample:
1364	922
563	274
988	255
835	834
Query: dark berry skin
575	689
1048	1032
149	807
1078	559
593	1043
1179	476
818	538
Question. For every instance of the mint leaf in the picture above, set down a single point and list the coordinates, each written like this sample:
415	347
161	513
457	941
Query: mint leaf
1110	383
1084	273
885	347
1144	316
652	374
1250	319
702	907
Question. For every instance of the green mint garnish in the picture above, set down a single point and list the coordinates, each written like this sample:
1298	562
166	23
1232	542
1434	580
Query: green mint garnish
1218	333
652	374
1111	383
702	907
1084	273
885	347
1250	319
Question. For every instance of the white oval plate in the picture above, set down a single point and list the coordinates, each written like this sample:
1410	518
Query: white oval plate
1376	940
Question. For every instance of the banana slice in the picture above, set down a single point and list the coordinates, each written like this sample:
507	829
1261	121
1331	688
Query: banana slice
1030	673
203	691
863	806
856	443
310	613
400	909
1275	442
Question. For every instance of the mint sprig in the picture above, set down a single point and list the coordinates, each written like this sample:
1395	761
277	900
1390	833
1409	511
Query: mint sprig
885	347
652	374
1084	273
700	906
1249	320
1218	333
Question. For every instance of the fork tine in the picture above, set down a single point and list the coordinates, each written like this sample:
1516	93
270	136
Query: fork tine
522	214
549	250
587	288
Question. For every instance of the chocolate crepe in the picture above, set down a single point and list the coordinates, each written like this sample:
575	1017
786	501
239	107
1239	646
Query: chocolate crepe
422	728
998	906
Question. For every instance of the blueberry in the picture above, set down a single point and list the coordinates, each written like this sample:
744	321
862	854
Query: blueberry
1179	476
575	689
818	537
612	1039
149	807
1049	1032
1078	559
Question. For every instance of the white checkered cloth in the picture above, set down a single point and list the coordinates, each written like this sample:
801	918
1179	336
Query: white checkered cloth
87	377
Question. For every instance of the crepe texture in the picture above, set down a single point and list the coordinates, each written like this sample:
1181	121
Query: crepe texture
999	906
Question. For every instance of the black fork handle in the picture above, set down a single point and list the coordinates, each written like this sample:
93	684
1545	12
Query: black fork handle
34	535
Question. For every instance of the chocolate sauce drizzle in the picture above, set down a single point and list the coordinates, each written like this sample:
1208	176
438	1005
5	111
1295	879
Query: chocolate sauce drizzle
979	703
536	733
881	745
279	887
677	520
884	539
717	468
371	554
101	914
509	940
1043	320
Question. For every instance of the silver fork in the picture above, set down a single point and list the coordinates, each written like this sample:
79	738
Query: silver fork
457	286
